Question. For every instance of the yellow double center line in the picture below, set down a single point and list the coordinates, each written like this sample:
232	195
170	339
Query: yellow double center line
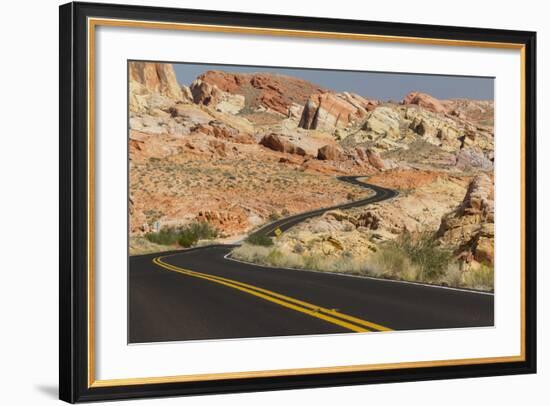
329	315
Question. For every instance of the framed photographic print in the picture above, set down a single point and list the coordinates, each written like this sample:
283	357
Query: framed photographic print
256	202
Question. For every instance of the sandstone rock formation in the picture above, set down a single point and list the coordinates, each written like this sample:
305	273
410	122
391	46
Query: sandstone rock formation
374	159
221	130
278	143
329	111
478	112
355	234
424	100
330	153
383	122
470	228
156	78
435	129
237	149
267	91
210	95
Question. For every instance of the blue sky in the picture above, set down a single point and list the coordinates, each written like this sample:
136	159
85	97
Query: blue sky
375	85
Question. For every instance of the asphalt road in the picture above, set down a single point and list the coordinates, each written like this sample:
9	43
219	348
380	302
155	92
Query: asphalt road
201	294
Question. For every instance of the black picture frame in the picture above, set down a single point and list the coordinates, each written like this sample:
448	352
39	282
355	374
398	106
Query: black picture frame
74	385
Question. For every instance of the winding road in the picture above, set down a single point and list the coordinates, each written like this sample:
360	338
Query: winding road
202	293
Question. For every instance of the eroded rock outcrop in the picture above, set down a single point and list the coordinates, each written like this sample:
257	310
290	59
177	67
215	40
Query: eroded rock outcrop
330	153
383	121
221	130
210	95
156	78
470	228
329	111
278	143
426	101
374	159
225	149
263	91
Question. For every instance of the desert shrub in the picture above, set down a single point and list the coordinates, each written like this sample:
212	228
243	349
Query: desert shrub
195	232
183	236
390	260
166	236
453	275
274	216
482	278
251	253
186	240
422	250
259	239
413	258
275	257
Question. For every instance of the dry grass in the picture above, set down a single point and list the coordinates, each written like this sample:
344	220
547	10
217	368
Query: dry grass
140	245
482	278
276	258
423	262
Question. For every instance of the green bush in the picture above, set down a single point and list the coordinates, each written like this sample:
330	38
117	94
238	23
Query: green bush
186	240
195	232
183	236
423	251
260	239
166	236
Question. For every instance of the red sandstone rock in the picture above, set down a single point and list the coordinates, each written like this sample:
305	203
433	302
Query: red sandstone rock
426	101
267	90
277	143
329	153
374	159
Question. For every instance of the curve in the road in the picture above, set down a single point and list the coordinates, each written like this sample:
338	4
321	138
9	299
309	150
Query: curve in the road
221	298
329	315
380	194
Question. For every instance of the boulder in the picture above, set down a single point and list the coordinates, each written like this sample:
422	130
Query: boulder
221	130
383	121
210	95
485	251
436	129
468	159
205	93
330	153
329	111
374	159
424	100
278	143
368	220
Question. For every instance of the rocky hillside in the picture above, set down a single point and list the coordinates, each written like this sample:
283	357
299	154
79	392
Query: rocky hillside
193	157
237	150
261	92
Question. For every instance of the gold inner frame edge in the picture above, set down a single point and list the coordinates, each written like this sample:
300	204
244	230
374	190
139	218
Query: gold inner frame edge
94	22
